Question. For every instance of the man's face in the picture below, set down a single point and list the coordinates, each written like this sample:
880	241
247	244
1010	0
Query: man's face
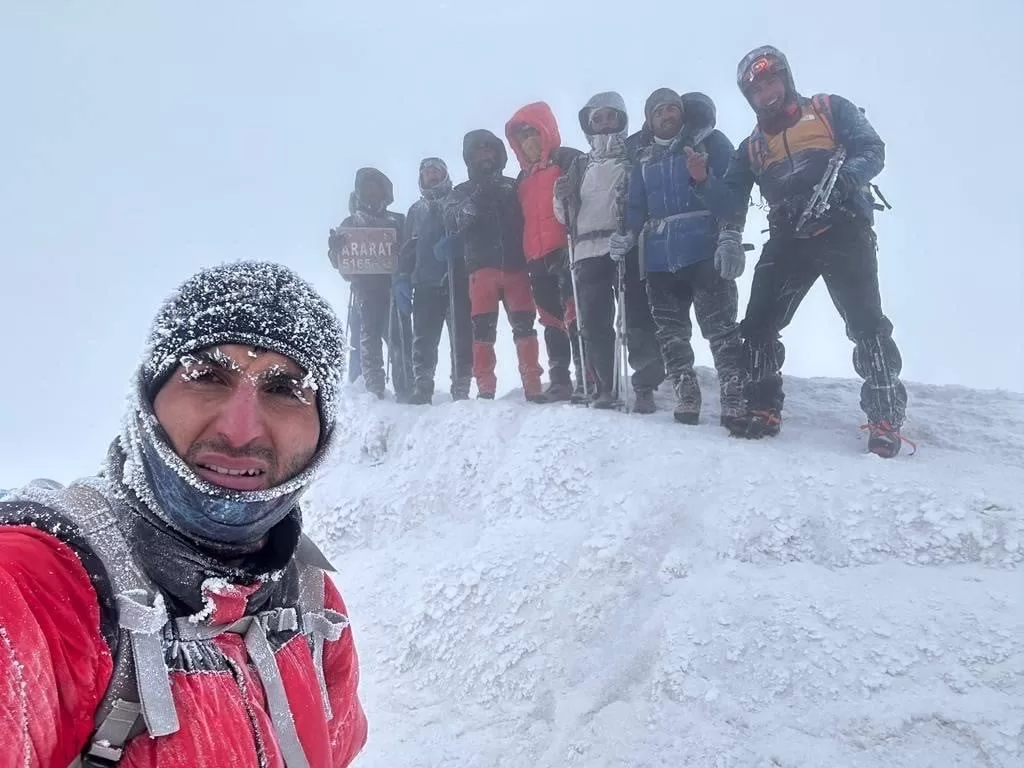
667	121
605	120
529	141
371	192
240	418
767	94
431	176
484	158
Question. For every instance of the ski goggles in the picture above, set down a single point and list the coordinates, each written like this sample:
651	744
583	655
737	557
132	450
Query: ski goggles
762	67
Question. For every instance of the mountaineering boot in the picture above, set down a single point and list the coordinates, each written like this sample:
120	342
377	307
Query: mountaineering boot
885	440
644	402
580	397
604	401
766	423
484	395
688	393
560	389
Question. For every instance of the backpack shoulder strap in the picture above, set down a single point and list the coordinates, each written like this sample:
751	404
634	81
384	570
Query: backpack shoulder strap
319	623
757	150
821	103
127	707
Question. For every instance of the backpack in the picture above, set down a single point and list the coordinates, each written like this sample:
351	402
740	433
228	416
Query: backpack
138	698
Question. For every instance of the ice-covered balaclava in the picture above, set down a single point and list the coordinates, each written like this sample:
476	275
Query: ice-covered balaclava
605	143
256	304
440	190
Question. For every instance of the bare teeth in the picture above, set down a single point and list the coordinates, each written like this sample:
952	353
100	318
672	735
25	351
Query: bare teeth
234	472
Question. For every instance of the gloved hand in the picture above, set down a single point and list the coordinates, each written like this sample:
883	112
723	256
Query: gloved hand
729	255
335	242
696	165
448	248
620	244
401	289
563	190
845	188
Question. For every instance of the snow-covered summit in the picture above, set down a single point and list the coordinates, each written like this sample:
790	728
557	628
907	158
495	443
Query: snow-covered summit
546	586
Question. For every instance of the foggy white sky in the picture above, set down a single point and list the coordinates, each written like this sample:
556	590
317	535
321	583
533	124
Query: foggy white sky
141	141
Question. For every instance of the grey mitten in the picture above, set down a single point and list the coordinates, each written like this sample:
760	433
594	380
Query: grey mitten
730	258
620	244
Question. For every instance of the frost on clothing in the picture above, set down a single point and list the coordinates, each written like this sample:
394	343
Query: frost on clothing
58	617
203	312
485	211
597	183
664	207
269	307
787	160
433	280
424	228
381	322
543	233
151	564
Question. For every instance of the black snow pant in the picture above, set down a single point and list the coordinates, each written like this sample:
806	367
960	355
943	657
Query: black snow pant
373	302
431	309
552	293
597	289
715	303
846	257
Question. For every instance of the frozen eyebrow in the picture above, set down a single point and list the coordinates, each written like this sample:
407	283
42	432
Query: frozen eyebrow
282	376
193	365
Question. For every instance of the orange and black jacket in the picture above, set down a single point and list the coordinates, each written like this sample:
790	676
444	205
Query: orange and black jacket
787	165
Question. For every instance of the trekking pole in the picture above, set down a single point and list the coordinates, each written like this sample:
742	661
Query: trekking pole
579	319
453	340
622	361
347	340
391	317
402	357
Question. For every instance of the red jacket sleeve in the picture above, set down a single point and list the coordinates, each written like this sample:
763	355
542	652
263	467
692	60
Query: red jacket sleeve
341	668
54	663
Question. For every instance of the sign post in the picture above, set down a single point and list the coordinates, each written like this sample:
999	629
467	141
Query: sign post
367	251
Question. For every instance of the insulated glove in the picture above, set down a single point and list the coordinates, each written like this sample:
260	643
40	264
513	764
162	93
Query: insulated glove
845	188
335	243
448	248
401	289
729	255
620	244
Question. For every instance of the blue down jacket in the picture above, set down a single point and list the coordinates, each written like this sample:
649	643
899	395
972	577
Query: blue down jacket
663	207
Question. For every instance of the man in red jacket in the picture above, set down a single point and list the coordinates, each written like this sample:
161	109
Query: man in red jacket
533	135
169	611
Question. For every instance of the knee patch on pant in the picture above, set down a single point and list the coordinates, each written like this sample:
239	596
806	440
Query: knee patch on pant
877	355
522	325
485	327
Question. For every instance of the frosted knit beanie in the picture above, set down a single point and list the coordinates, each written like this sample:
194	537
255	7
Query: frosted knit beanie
258	304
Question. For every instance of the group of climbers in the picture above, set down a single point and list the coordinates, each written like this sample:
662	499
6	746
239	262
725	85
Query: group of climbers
659	216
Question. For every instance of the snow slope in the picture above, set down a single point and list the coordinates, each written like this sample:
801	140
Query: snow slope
546	586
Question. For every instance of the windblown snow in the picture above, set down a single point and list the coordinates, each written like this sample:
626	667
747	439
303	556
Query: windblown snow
546	586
